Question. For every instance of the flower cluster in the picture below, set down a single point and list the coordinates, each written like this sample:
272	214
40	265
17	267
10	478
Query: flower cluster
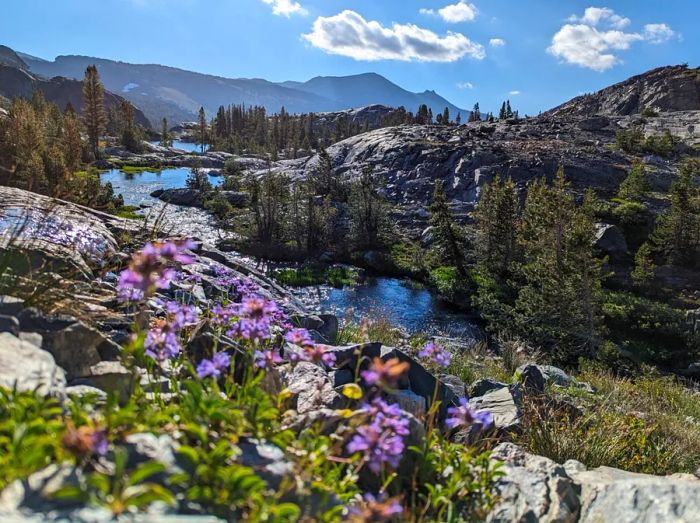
162	341
214	367
385	374
311	351
149	269
255	317
381	440
85	440
376	509
267	359
434	353
464	416
227	279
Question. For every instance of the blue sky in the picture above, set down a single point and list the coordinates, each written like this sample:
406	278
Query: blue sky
549	50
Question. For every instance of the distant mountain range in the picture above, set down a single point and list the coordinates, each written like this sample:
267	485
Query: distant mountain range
17	80
161	91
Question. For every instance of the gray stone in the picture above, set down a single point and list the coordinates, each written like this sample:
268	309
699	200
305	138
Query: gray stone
86	390
555	375
9	324
109	376
533	489
11	306
310	386
504	404
531	377
610	240
453	383
28	367
484	385
409	402
34	338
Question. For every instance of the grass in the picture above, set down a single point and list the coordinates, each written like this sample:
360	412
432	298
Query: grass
305	276
380	330
129	211
138	169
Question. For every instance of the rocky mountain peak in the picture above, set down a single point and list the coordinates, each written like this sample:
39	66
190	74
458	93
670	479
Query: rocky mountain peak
665	89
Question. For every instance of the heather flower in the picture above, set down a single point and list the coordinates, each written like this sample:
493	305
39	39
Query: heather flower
386	375
464	416
376	509
100	445
257	308
267	359
300	337
434	353
381	439
215	366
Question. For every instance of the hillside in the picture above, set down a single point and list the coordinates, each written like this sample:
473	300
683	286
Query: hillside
59	90
665	89
177	94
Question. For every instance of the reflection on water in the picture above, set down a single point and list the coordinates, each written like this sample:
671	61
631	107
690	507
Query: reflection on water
411	308
136	188
186	146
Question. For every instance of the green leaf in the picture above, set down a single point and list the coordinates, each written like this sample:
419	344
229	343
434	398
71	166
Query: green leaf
145	471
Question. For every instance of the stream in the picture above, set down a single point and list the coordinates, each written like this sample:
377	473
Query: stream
412	308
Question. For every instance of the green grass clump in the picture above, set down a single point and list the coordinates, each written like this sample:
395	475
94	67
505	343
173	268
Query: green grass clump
129	211
139	169
305	276
379	329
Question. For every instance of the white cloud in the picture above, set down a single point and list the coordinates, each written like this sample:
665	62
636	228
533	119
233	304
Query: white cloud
286	7
658	33
459	12
514	93
592	39
595	15
497	42
465	85
427	12
349	34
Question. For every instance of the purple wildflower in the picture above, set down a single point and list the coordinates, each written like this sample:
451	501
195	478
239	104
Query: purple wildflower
100	445
434	353
148	269
385	374
222	316
215	366
464	416
300	337
252	330
181	315
257	308
380	440
161	342
376	509
319	353
267	359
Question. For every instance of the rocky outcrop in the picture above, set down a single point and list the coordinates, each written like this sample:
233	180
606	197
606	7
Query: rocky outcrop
535	488
27	367
195	198
672	88
64	235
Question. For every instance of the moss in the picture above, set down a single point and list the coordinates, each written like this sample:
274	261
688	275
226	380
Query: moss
305	276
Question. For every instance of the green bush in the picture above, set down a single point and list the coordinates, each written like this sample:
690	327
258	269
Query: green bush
305	276
449	283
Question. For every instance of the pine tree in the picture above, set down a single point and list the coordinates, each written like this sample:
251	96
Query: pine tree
165	138
644	268
635	186
559	300
448	242
476	113
202	137
677	232
130	135
72	143
502	115
367	210
458	119
509	111
446	116
94	117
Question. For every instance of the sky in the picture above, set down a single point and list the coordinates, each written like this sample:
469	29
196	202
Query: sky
537	53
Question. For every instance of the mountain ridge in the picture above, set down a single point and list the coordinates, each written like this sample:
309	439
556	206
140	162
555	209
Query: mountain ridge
177	94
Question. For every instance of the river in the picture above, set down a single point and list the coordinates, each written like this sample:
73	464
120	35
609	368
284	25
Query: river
412	308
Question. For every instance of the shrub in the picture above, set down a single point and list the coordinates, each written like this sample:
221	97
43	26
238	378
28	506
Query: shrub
305	276
631	213
650	112
449	283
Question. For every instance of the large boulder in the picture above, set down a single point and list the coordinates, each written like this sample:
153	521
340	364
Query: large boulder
610	240
45	233
504	404
28	367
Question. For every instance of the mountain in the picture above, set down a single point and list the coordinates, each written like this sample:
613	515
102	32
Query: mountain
9	57
161	91
665	89
17	81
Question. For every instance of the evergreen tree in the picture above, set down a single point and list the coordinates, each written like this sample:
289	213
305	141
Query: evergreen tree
447	238
503	114
446	116
476	113
644	268
558	304
131	135
202	136
72	142
677	232
93	108
165	138
367	210
509	111
269	197
458	119
635	186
